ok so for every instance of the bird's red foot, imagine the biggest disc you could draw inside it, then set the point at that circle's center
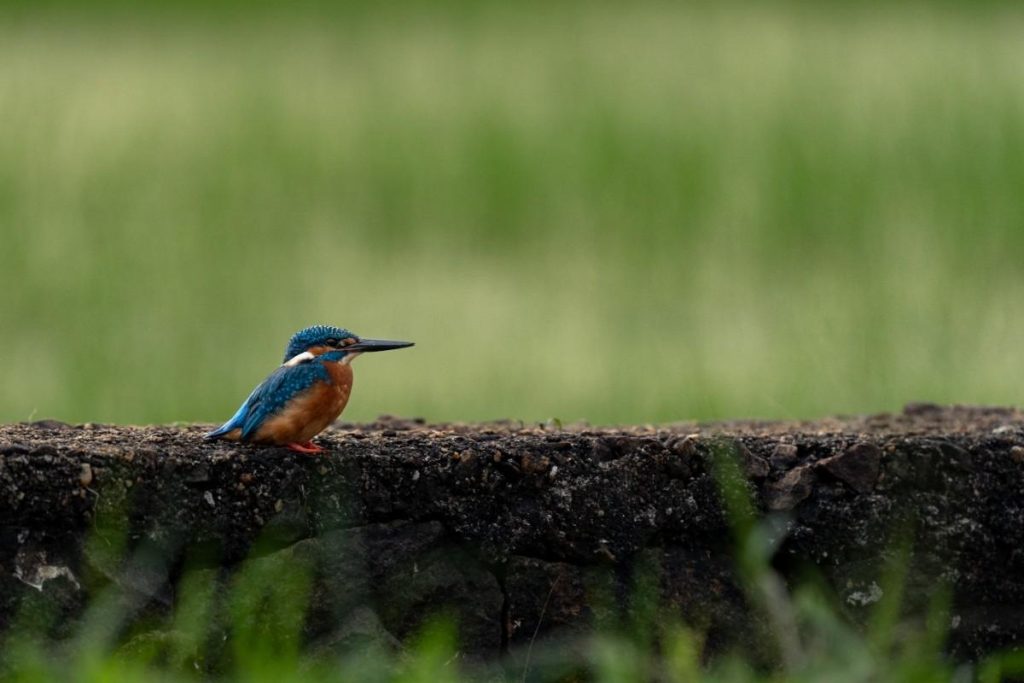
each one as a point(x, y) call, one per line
point(308, 447)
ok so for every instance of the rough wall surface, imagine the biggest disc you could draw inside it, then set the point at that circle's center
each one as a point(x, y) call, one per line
point(520, 533)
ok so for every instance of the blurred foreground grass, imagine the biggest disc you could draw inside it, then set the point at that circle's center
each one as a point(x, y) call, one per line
point(619, 213)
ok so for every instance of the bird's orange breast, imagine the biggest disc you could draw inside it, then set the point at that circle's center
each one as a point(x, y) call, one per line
point(310, 413)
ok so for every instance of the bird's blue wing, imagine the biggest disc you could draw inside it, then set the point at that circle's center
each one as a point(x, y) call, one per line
point(277, 390)
point(271, 396)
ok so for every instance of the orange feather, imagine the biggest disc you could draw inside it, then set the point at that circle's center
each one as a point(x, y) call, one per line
point(310, 413)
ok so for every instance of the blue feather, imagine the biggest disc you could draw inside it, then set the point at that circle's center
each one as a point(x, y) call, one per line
point(271, 396)
point(234, 423)
point(314, 336)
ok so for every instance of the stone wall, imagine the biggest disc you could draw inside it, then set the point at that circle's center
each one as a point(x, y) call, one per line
point(519, 533)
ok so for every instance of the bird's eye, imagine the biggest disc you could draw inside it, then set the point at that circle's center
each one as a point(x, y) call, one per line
point(331, 342)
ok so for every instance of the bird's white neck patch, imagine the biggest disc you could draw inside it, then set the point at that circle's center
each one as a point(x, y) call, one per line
point(303, 357)
point(306, 356)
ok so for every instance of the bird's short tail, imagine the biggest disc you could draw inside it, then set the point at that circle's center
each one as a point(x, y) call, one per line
point(234, 423)
point(219, 432)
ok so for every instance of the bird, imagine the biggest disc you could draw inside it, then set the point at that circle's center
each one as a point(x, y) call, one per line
point(306, 393)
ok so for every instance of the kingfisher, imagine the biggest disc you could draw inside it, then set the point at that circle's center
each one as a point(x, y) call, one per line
point(306, 393)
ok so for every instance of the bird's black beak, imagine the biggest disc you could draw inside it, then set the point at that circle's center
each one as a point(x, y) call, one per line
point(370, 345)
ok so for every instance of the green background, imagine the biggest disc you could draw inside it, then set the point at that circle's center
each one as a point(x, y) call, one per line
point(608, 211)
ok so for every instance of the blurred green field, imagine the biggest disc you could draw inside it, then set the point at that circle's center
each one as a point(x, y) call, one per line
point(621, 213)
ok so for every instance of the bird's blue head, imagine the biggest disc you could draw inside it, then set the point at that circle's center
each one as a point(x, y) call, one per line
point(322, 339)
point(318, 336)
